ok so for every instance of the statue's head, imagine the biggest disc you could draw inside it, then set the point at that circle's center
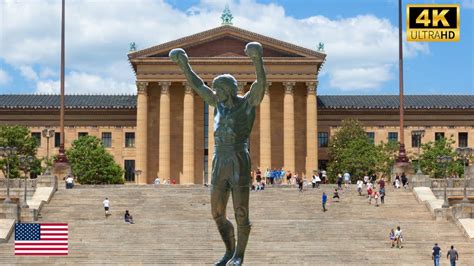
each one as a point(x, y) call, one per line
point(225, 86)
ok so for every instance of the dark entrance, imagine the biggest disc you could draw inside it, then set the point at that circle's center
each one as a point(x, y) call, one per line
point(129, 170)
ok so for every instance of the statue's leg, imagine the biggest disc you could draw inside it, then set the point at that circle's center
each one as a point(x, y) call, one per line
point(240, 198)
point(219, 199)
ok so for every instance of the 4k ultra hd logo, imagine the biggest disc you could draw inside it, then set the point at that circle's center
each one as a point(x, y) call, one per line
point(433, 23)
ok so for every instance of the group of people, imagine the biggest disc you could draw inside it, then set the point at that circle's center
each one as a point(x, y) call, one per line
point(452, 255)
point(372, 193)
point(396, 237)
point(128, 218)
point(400, 178)
point(165, 182)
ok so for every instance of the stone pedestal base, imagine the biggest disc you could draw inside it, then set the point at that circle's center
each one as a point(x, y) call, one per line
point(401, 167)
point(61, 169)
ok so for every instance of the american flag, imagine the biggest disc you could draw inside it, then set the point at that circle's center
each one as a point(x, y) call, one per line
point(41, 239)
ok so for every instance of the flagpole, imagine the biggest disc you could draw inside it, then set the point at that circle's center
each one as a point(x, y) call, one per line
point(402, 157)
point(62, 155)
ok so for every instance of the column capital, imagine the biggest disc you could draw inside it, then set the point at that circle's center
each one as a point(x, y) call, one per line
point(187, 88)
point(165, 86)
point(289, 86)
point(142, 87)
point(311, 86)
point(241, 87)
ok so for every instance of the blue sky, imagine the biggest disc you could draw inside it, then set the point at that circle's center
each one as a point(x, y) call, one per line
point(360, 39)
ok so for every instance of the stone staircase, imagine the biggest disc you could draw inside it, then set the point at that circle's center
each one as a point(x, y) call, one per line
point(174, 226)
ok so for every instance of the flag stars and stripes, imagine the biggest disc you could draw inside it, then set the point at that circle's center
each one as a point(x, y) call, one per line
point(41, 239)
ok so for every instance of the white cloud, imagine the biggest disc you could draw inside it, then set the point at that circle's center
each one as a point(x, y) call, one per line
point(98, 34)
point(84, 83)
point(28, 73)
point(4, 77)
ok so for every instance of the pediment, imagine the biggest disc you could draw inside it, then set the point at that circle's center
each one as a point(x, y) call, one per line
point(226, 41)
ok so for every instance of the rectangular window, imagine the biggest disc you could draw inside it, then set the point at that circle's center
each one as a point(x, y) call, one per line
point(415, 141)
point(82, 134)
point(393, 136)
point(129, 139)
point(439, 135)
point(371, 136)
point(462, 139)
point(107, 139)
point(57, 139)
point(323, 139)
point(37, 137)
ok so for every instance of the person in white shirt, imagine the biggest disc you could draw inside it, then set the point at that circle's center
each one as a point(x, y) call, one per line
point(157, 180)
point(359, 186)
point(316, 180)
point(366, 179)
point(398, 237)
point(347, 179)
point(69, 182)
point(106, 203)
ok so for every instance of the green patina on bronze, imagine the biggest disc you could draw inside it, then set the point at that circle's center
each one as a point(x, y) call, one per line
point(233, 120)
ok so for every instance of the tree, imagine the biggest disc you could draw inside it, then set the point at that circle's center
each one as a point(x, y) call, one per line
point(440, 147)
point(386, 156)
point(19, 137)
point(92, 164)
point(350, 150)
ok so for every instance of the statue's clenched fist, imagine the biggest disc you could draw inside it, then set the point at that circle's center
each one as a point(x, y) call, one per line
point(254, 50)
point(179, 56)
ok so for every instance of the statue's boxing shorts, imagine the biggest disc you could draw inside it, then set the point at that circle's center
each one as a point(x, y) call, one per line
point(231, 166)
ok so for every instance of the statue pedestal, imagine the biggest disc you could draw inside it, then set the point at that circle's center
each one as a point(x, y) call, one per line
point(402, 167)
point(61, 169)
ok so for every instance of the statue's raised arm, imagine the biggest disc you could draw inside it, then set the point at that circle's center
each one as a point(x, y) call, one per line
point(255, 95)
point(179, 56)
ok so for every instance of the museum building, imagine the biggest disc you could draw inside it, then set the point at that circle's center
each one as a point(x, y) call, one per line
point(164, 129)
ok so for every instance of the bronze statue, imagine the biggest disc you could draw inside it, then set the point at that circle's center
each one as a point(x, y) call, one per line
point(233, 120)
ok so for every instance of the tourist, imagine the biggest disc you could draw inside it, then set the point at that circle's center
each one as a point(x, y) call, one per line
point(366, 179)
point(258, 175)
point(69, 182)
point(157, 180)
point(339, 181)
point(376, 197)
point(382, 186)
point(382, 196)
point(128, 217)
point(404, 181)
point(359, 186)
point(397, 177)
point(268, 174)
point(347, 180)
point(106, 204)
point(397, 183)
point(324, 178)
point(299, 180)
point(399, 237)
point(452, 256)
point(392, 237)
point(173, 181)
point(369, 193)
point(336, 194)
point(435, 254)
point(373, 178)
point(316, 180)
point(324, 200)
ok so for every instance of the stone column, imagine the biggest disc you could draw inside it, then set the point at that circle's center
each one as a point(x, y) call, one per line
point(241, 88)
point(265, 131)
point(165, 127)
point(142, 131)
point(311, 129)
point(289, 128)
point(188, 136)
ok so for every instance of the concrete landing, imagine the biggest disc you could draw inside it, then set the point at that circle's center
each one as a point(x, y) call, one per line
point(6, 228)
point(468, 225)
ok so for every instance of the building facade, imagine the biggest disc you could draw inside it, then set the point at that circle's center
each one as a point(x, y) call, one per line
point(166, 130)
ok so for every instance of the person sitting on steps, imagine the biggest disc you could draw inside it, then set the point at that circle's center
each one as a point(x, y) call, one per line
point(128, 217)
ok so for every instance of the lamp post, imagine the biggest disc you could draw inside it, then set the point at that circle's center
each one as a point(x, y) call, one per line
point(465, 153)
point(137, 173)
point(419, 135)
point(8, 153)
point(25, 162)
point(47, 133)
point(444, 161)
